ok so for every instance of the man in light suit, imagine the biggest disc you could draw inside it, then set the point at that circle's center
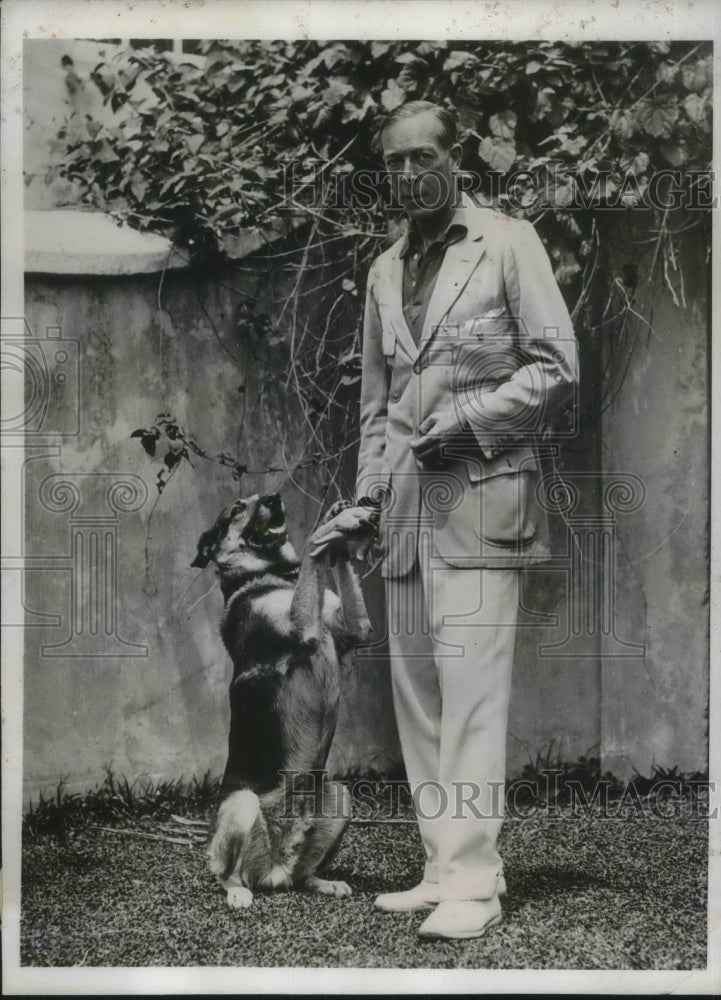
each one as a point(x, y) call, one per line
point(468, 349)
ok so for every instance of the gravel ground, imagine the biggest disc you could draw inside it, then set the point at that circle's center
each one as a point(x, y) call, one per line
point(583, 894)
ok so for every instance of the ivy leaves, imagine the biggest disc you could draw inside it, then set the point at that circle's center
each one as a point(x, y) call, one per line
point(178, 446)
point(499, 150)
point(253, 133)
point(657, 118)
point(200, 146)
point(201, 149)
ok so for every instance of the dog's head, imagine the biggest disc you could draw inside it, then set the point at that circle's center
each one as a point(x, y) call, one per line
point(249, 536)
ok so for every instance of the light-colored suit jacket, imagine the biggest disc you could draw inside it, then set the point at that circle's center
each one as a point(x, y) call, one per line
point(498, 349)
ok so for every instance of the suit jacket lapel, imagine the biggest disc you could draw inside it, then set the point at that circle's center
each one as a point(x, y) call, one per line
point(459, 263)
point(392, 293)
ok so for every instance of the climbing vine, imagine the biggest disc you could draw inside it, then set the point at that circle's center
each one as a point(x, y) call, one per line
point(255, 135)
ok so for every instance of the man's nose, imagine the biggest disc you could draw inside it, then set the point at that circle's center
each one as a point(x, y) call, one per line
point(408, 172)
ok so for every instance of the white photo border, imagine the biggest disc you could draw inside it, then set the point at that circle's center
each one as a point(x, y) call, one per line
point(569, 21)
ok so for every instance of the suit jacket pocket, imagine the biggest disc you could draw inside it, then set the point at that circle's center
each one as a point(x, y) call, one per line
point(514, 459)
point(507, 512)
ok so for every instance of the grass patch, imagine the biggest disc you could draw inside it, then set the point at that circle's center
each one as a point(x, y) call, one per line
point(547, 781)
point(583, 894)
point(556, 780)
point(118, 877)
point(117, 800)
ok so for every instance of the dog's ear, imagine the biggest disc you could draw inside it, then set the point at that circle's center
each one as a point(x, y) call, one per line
point(207, 545)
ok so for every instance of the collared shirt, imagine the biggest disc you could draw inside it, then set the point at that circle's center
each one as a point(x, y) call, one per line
point(421, 269)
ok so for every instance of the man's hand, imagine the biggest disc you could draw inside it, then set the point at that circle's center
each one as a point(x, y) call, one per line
point(436, 431)
point(352, 531)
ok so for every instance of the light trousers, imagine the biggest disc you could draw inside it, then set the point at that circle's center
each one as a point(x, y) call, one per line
point(451, 637)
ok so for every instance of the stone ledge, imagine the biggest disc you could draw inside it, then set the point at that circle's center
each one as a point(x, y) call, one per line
point(66, 241)
point(71, 241)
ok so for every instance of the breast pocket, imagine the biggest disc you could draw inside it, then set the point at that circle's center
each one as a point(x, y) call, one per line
point(489, 325)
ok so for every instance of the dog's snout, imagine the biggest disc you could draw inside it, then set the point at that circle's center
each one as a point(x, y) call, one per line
point(272, 500)
point(267, 526)
point(271, 510)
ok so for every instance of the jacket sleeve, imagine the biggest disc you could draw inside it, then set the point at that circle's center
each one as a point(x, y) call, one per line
point(547, 351)
point(374, 399)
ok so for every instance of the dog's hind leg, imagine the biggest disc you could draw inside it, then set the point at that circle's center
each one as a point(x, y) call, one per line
point(238, 852)
point(323, 841)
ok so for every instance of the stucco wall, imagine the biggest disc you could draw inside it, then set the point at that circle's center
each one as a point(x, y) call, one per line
point(655, 709)
point(159, 709)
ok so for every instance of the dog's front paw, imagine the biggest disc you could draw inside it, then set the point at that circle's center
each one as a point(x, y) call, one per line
point(326, 887)
point(239, 897)
point(357, 525)
point(337, 508)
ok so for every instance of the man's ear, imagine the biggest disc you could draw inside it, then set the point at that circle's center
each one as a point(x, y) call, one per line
point(207, 546)
point(456, 153)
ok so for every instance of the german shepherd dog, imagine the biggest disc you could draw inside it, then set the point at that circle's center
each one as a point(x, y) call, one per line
point(285, 633)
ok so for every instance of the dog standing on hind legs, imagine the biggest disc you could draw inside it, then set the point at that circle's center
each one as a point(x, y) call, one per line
point(281, 820)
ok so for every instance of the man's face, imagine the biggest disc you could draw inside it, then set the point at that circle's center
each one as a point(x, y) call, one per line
point(420, 168)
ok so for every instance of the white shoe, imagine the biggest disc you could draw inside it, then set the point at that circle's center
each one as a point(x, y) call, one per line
point(462, 918)
point(423, 896)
